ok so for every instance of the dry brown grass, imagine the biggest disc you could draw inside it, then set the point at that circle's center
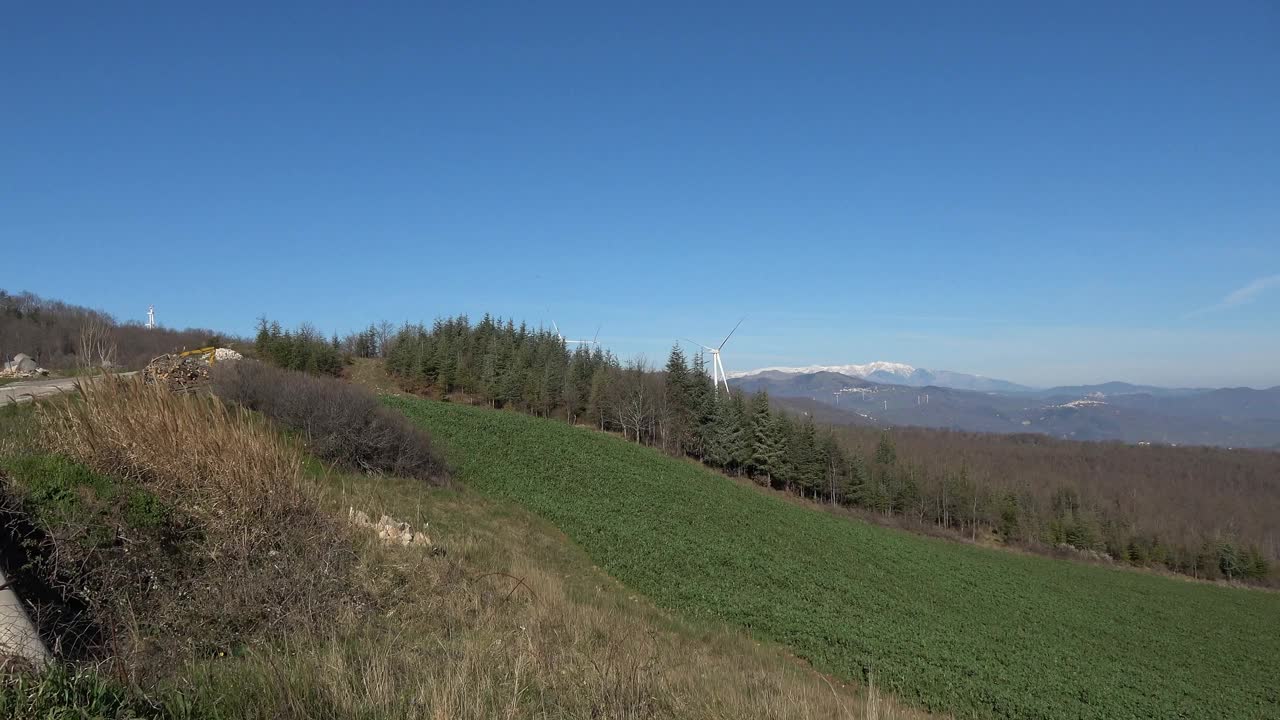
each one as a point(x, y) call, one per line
point(221, 461)
point(241, 552)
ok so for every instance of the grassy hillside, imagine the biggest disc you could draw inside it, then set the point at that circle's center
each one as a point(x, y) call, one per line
point(980, 632)
point(500, 617)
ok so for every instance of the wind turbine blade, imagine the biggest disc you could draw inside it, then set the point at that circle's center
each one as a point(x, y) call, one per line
point(557, 327)
point(704, 347)
point(731, 332)
point(596, 337)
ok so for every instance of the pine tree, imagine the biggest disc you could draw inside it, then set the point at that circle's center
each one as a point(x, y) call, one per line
point(738, 443)
point(886, 454)
point(262, 341)
point(679, 407)
point(906, 493)
point(805, 464)
point(857, 481)
point(703, 402)
point(784, 432)
point(1229, 562)
point(766, 445)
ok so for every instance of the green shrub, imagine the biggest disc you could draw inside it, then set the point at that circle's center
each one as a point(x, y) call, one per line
point(144, 510)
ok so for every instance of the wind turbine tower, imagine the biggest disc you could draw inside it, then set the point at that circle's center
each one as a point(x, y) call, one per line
point(718, 374)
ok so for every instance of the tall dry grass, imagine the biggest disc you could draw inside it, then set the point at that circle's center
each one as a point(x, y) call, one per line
point(245, 552)
point(219, 461)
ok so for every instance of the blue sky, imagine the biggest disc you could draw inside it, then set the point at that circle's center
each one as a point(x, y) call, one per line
point(1049, 195)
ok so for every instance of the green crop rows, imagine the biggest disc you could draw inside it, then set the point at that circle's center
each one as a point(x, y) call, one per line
point(977, 632)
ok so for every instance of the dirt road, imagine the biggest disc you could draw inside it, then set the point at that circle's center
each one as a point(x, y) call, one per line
point(27, 390)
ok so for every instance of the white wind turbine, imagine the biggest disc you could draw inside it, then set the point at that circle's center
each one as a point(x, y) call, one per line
point(563, 339)
point(718, 374)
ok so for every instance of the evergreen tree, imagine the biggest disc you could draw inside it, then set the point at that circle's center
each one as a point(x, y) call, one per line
point(1255, 565)
point(805, 461)
point(886, 454)
point(738, 438)
point(906, 492)
point(678, 402)
point(766, 444)
point(1229, 561)
point(262, 341)
point(784, 433)
point(728, 444)
point(857, 481)
point(703, 401)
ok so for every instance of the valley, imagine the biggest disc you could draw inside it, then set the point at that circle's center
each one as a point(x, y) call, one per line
point(1227, 417)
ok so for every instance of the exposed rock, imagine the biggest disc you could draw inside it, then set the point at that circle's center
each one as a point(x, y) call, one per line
point(389, 531)
point(22, 366)
point(21, 363)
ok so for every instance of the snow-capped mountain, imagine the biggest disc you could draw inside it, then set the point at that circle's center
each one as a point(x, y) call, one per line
point(901, 370)
point(893, 373)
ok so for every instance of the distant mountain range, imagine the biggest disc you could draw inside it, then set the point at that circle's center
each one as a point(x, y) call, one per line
point(1231, 417)
point(897, 374)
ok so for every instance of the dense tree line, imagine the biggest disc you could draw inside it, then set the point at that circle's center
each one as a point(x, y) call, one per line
point(304, 349)
point(676, 408)
point(61, 336)
point(1204, 511)
point(506, 365)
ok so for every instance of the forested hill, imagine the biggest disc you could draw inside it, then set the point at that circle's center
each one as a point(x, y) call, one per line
point(1209, 518)
point(60, 336)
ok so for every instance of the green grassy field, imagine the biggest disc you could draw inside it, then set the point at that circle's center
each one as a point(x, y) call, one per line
point(981, 633)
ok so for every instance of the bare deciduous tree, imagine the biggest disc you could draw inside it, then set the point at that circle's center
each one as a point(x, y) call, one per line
point(97, 349)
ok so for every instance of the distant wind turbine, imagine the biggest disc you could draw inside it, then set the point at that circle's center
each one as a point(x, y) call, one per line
point(563, 339)
point(718, 374)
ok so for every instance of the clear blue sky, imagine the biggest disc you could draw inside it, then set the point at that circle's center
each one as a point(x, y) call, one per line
point(1048, 195)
